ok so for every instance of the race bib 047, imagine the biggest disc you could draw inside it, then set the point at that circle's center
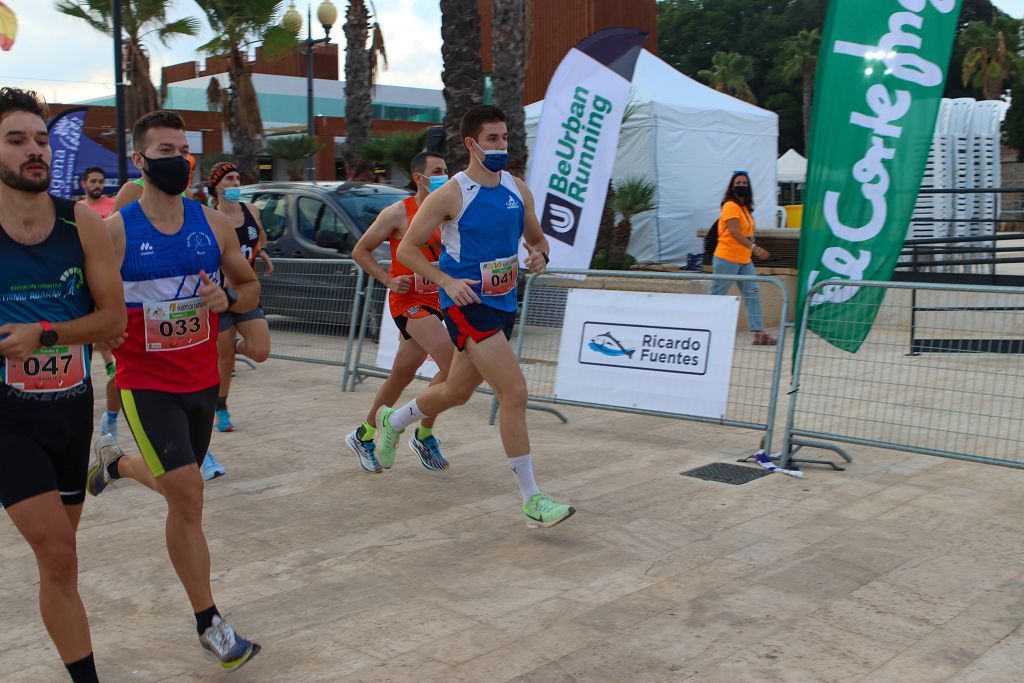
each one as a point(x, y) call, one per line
point(55, 368)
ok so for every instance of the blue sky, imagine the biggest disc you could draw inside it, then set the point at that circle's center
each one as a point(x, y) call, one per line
point(68, 61)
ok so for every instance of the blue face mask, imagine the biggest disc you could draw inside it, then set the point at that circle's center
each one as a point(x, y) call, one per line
point(495, 160)
point(232, 194)
point(436, 181)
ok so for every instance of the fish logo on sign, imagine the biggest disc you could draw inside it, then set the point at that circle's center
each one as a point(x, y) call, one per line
point(609, 346)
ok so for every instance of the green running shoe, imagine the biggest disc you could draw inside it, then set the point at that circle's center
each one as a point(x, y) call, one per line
point(542, 512)
point(387, 437)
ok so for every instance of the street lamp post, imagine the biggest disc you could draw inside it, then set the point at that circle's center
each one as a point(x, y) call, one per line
point(326, 14)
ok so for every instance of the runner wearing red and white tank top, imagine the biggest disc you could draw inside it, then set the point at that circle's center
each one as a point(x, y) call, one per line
point(414, 305)
point(171, 250)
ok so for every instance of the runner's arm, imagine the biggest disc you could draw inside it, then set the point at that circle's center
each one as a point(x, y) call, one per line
point(439, 206)
point(236, 268)
point(533, 236)
point(261, 246)
point(382, 228)
point(102, 276)
point(128, 193)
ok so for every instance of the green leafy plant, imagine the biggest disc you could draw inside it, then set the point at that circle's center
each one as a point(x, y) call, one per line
point(633, 195)
point(294, 151)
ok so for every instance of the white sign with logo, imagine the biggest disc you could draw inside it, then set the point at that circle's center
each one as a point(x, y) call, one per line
point(666, 352)
point(387, 347)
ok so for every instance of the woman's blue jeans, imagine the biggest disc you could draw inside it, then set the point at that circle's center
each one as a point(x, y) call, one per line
point(751, 294)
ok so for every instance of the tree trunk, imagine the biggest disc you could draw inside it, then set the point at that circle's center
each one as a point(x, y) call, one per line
point(358, 95)
point(508, 50)
point(605, 229)
point(808, 99)
point(620, 244)
point(462, 76)
point(244, 124)
point(141, 96)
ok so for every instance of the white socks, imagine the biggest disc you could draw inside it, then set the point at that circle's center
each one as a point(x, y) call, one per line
point(406, 415)
point(522, 467)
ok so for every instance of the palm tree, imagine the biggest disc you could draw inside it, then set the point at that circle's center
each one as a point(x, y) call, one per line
point(801, 55)
point(730, 73)
point(141, 20)
point(462, 75)
point(508, 55)
point(360, 77)
point(294, 151)
point(988, 64)
point(633, 195)
point(236, 25)
point(399, 148)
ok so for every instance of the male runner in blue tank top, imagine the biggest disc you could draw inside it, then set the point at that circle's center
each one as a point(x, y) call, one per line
point(59, 292)
point(483, 213)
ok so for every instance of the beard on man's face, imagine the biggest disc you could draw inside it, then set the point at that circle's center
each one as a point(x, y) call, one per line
point(19, 180)
point(95, 192)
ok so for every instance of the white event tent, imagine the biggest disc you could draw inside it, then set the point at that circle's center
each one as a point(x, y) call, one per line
point(792, 167)
point(689, 139)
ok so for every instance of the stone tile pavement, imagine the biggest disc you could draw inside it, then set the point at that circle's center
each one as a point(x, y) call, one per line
point(903, 568)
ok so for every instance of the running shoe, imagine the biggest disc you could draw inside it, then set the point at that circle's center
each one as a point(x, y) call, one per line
point(229, 649)
point(108, 425)
point(387, 437)
point(105, 451)
point(224, 421)
point(542, 512)
point(364, 450)
point(429, 452)
point(211, 469)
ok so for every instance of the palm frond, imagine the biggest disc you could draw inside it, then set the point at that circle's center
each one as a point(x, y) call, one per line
point(186, 26)
point(635, 194)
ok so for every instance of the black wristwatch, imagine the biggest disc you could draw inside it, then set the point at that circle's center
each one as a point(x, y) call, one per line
point(232, 296)
point(48, 337)
point(547, 259)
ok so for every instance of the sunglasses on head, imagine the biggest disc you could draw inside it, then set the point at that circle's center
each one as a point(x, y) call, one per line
point(735, 173)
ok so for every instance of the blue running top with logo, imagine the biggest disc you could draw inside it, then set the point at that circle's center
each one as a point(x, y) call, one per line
point(487, 229)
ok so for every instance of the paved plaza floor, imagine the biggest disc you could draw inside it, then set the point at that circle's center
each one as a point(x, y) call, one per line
point(904, 568)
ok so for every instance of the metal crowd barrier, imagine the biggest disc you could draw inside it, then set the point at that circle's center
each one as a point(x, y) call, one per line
point(956, 392)
point(756, 370)
point(310, 305)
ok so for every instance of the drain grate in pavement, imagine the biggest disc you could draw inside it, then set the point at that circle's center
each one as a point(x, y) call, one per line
point(726, 473)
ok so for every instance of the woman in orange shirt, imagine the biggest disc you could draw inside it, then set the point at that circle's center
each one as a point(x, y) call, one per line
point(735, 248)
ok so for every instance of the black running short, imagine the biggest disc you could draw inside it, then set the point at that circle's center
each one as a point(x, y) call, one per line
point(414, 313)
point(171, 430)
point(229, 319)
point(44, 443)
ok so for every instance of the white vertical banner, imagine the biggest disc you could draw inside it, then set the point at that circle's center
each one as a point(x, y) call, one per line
point(577, 138)
point(666, 352)
point(387, 345)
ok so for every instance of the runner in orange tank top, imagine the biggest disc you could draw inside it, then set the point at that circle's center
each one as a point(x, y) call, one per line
point(414, 305)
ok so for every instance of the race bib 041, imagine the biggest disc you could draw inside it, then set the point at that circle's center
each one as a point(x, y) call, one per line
point(499, 277)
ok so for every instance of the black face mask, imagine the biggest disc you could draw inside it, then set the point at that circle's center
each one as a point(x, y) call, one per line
point(169, 174)
point(743, 192)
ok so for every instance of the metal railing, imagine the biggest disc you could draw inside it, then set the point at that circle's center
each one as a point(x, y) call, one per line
point(310, 305)
point(959, 395)
point(756, 370)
